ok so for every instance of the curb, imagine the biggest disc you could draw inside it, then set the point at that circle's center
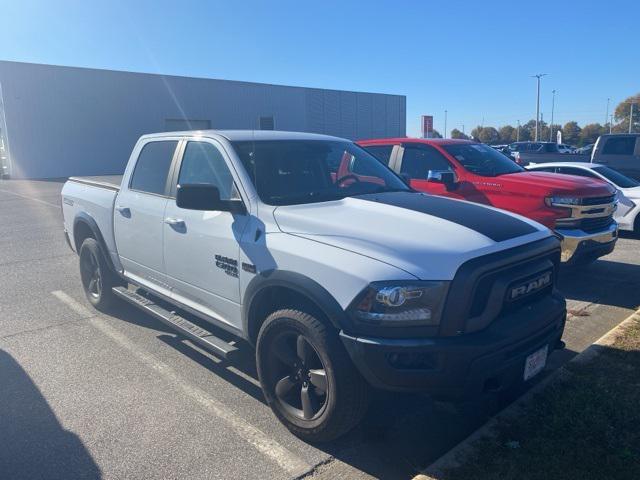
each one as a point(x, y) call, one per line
point(461, 451)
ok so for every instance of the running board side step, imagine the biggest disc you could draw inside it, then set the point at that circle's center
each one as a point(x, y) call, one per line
point(193, 332)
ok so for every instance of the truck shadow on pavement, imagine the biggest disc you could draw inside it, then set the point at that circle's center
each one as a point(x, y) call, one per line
point(401, 433)
point(606, 282)
point(33, 443)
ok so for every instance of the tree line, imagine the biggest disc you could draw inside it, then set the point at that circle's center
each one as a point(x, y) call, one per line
point(572, 133)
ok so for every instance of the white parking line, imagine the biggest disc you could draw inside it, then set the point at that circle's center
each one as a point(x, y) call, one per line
point(72, 304)
point(30, 198)
point(286, 459)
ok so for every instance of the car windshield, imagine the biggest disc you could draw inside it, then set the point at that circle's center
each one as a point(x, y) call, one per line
point(288, 172)
point(618, 179)
point(482, 160)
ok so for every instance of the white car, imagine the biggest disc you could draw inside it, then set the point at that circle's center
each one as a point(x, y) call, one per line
point(562, 148)
point(628, 189)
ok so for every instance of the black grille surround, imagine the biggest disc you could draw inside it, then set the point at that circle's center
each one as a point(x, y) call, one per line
point(598, 200)
point(477, 294)
point(595, 224)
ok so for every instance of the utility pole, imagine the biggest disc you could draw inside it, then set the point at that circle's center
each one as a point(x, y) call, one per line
point(553, 105)
point(445, 124)
point(518, 132)
point(630, 118)
point(606, 118)
point(538, 77)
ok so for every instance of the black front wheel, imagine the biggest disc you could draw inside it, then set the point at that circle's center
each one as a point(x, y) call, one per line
point(308, 378)
point(97, 278)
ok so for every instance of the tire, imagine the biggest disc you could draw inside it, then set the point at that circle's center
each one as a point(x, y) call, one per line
point(96, 276)
point(308, 378)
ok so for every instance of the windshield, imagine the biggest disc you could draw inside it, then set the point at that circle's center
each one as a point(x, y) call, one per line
point(288, 172)
point(482, 160)
point(616, 178)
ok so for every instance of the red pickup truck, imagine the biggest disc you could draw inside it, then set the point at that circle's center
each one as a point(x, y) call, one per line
point(580, 209)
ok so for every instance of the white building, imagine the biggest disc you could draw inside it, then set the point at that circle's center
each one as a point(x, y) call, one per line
point(61, 121)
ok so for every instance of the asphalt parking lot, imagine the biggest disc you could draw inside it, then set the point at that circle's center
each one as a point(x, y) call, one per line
point(87, 395)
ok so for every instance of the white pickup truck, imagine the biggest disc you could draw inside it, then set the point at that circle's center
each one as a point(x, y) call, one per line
point(311, 250)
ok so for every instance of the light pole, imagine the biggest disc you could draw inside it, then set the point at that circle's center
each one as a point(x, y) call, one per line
point(538, 77)
point(610, 122)
point(518, 132)
point(553, 106)
point(445, 124)
point(606, 118)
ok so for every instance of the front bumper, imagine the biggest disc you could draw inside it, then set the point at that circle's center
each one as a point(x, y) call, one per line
point(577, 243)
point(461, 366)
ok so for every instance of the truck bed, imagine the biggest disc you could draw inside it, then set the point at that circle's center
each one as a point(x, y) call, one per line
point(112, 182)
point(93, 197)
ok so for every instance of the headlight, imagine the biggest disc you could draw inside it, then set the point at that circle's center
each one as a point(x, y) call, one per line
point(400, 304)
point(562, 201)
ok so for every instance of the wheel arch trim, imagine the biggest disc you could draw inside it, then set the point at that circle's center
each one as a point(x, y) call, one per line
point(298, 283)
point(89, 221)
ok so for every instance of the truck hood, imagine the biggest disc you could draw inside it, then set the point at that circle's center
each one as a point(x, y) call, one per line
point(424, 235)
point(554, 183)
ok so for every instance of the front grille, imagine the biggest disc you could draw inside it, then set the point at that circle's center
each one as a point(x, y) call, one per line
point(478, 292)
point(598, 200)
point(596, 224)
point(510, 276)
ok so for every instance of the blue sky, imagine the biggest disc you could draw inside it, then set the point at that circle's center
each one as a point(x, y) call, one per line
point(473, 59)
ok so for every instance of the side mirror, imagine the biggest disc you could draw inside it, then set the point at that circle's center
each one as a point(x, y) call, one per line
point(446, 177)
point(205, 197)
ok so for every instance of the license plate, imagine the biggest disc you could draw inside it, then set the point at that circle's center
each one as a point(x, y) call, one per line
point(535, 362)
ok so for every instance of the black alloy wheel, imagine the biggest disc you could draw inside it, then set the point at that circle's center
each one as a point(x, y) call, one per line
point(300, 377)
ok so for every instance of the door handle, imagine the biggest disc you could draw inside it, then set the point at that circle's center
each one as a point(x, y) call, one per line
point(174, 222)
point(124, 211)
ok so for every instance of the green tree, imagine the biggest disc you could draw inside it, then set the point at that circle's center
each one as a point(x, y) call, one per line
point(544, 132)
point(623, 110)
point(507, 134)
point(455, 133)
point(435, 134)
point(571, 133)
point(489, 135)
point(475, 133)
point(590, 133)
point(554, 132)
point(525, 133)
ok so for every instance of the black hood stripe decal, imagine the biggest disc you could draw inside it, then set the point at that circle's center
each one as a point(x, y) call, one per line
point(490, 223)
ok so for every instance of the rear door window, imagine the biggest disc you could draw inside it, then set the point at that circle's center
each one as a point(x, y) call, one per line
point(381, 152)
point(619, 146)
point(152, 167)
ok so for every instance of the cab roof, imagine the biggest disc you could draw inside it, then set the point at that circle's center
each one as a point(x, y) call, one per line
point(247, 135)
point(429, 141)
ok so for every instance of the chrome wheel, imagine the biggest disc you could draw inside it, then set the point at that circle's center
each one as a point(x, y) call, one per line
point(299, 376)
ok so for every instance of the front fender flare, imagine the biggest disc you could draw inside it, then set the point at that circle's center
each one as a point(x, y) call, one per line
point(298, 283)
